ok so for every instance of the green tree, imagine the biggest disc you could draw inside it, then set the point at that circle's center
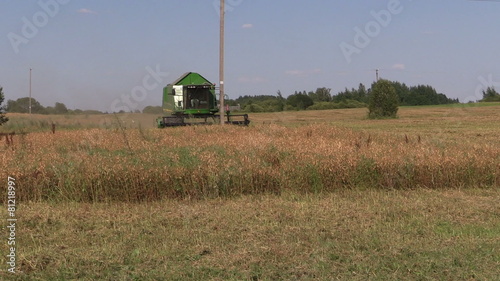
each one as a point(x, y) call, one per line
point(383, 100)
point(281, 101)
point(254, 108)
point(60, 108)
point(300, 101)
point(271, 105)
point(490, 95)
point(21, 105)
point(403, 92)
point(3, 118)
point(423, 95)
point(323, 94)
point(50, 110)
point(362, 93)
point(344, 95)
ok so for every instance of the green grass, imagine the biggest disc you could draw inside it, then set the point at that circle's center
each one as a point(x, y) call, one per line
point(456, 105)
point(343, 235)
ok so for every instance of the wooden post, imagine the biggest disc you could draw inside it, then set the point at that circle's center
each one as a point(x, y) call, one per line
point(221, 63)
point(30, 94)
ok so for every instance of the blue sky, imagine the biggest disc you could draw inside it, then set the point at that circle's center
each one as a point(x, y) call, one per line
point(104, 55)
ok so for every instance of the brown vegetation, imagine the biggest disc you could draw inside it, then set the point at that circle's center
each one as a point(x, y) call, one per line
point(200, 162)
point(333, 196)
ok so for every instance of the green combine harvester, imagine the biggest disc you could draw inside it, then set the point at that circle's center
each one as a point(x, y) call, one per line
point(191, 100)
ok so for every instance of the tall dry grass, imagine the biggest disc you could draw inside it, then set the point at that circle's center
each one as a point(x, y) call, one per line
point(96, 165)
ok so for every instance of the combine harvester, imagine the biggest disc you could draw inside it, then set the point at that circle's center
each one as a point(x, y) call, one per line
point(191, 100)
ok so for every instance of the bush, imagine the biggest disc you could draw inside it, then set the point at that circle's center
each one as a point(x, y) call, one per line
point(337, 105)
point(323, 106)
point(300, 101)
point(254, 108)
point(3, 119)
point(383, 100)
point(490, 95)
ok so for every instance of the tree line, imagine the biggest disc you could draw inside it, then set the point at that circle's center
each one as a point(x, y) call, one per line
point(490, 95)
point(322, 98)
point(22, 105)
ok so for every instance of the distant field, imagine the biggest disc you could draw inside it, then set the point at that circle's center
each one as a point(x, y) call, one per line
point(39, 122)
point(310, 195)
point(345, 117)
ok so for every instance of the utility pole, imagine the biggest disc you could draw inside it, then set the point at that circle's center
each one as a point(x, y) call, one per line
point(30, 94)
point(376, 73)
point(221, 63)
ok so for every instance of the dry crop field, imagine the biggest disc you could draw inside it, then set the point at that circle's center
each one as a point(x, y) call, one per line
point(443, 148)
point(296, 196)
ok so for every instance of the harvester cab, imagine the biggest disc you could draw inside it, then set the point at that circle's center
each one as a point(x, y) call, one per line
point(191, 100)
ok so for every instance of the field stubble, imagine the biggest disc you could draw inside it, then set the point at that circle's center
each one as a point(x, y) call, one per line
point(344, 235)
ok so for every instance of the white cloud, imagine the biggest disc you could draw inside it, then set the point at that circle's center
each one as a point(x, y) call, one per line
point(247, 25)
point(86, 11)
point(399, 66)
